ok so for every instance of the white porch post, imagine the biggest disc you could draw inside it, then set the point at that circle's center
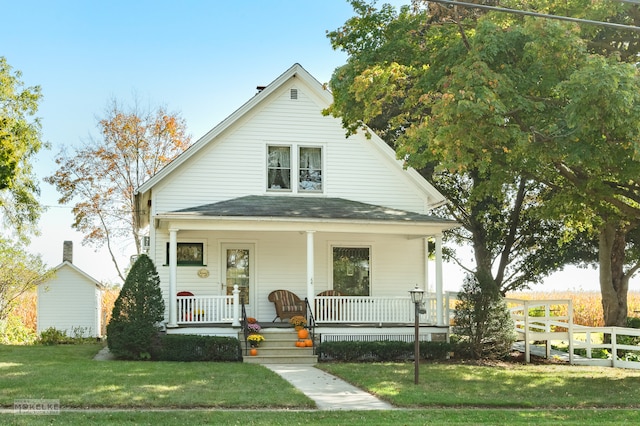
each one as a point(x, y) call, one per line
point(427, 287)
point(173, 277)
point(439, 286)
point(236, 306)
point(310, 269)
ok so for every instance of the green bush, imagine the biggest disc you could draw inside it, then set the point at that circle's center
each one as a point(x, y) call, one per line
point(482, 321)
point(633, 322)
point(137, 312)
point(53, 336)
point(380, 351)
point(14, 332)
point(186, 347)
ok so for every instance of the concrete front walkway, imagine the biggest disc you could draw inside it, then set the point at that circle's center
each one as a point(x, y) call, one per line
point(329, 392)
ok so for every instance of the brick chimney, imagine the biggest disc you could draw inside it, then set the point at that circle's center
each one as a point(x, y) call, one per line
point(67, 251)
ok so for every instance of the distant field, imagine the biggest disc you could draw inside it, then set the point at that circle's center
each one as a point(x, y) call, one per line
point(587, 306)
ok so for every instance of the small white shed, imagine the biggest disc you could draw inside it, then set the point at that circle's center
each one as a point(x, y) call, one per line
point(71, 300)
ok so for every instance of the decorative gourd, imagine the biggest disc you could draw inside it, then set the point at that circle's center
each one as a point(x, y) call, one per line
point(303, 333)
point(253, 352)
point(308, 342)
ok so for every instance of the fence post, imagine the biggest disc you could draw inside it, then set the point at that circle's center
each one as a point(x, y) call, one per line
point(527, 347)
point(236, 307)
point(570, 330)
point(614, 347)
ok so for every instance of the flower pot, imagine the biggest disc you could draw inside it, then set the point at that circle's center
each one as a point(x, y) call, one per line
point(253, 352)
point(303, 333)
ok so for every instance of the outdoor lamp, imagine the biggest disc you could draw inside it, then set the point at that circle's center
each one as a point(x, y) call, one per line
point(416, 297)
point(417, 294)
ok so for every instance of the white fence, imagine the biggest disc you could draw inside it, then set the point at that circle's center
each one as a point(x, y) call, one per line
point(205, 309)
point(552, 320)
point(372, 310)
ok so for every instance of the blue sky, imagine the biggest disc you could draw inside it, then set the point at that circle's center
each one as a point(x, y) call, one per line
point(203, 59)
point(200, 58)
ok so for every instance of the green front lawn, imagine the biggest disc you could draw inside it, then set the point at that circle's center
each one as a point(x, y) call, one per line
point(68, 373)
point(497, 386)
point(125, 392)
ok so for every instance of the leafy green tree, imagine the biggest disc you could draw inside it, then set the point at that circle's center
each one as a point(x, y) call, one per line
point(137, 312)
point(19, 143)
point(419, 80)
point(101, 176)
point(20, 272)
point(528, 125)
point(482, 322)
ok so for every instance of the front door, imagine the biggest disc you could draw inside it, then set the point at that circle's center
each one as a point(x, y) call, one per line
point(238, 270)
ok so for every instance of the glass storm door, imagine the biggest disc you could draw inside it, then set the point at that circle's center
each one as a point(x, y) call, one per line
point(239, 271)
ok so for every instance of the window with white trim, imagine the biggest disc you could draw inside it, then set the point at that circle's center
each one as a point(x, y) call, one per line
point(310, 169)
point(351, 270)
point(279, 168)
point(287, 163)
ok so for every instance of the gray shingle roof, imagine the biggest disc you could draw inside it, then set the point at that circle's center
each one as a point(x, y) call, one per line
point(307, 207)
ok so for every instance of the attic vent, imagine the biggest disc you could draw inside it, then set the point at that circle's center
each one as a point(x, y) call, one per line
point(294, 93)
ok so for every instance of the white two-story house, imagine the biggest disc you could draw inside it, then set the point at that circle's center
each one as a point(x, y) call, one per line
point(276, 197)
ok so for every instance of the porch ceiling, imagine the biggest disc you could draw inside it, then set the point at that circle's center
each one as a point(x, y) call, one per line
point(287, 212)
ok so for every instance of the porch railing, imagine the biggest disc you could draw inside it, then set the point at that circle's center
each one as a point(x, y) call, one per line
point(373, 310)
point(205, 309)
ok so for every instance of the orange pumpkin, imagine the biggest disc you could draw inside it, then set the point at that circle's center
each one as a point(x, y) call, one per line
point(303, 333)
point(308, 343)
point(253, 352)
point(300, 344)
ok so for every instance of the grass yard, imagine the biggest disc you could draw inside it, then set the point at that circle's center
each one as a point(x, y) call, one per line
point(68, 373)
point(503, 385)
point(169, 393)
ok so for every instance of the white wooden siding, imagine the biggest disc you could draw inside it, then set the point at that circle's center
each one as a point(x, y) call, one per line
point(235, 164)
point(397, 264)
point(69, 301)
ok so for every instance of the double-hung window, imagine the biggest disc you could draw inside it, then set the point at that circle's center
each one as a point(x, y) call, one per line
point(287, 162)
point(279, 168)
point(310, 169)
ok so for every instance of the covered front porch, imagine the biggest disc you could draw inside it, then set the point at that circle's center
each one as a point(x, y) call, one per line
point(308, 247)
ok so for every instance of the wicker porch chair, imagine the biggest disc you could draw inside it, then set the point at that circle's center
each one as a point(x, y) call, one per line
point(287, 304)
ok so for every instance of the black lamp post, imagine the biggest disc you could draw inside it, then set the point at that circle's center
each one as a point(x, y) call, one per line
point(416, 297)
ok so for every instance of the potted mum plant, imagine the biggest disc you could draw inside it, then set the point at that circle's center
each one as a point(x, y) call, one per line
point(300, 324)
point(255, 340)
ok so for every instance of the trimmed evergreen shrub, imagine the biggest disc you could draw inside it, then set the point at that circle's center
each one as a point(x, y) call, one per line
point(482, 322)
point(380, 351)
point(137, 312)
point(187, 347)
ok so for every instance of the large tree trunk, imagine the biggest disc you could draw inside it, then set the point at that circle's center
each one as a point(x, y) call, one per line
point(614, 284)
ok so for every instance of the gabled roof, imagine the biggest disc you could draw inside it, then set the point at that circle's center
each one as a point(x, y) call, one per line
point(308, 208)
point(298, 72)
point(89, 278)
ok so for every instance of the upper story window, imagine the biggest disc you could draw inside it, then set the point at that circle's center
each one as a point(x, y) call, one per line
point(279, 168)
point(310, 169)
point(285, 162)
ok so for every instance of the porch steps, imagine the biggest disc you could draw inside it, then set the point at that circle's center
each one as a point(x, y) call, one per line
point(279, 348)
